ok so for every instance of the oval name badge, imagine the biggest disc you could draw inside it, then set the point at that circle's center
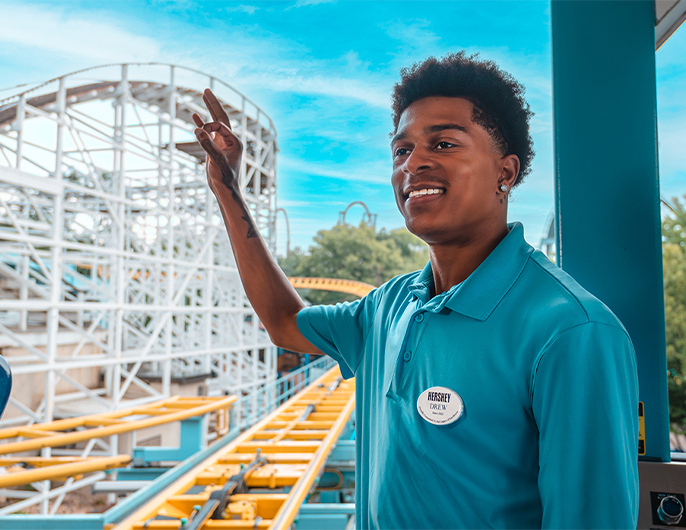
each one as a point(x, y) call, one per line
point(440, 405)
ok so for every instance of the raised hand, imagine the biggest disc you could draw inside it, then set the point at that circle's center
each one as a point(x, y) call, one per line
point(223, 148)
point(224, 151)
point(267, 287)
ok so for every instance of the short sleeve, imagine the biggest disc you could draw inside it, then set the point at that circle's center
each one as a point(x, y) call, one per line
point(340, 330)
point(585, 402)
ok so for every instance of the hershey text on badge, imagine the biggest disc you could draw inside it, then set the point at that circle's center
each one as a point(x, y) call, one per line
point(440, 405)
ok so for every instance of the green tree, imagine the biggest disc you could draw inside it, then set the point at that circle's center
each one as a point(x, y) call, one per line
point(414, 251)
point(674, 264)
point(355, 253)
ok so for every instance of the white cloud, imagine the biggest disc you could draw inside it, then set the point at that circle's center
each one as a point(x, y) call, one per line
point(88, 37)
point(369, 91)
point(412, 34)
point(306, 3)
point(373, 173)
point(173, 6)
point(286, 203)
point(250, 10)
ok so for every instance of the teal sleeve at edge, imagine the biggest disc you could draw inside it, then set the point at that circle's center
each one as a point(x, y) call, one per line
point(340, 330)
point(585, 402)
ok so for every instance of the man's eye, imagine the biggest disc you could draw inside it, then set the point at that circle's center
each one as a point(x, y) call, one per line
point(444, 145)
point(400, 152)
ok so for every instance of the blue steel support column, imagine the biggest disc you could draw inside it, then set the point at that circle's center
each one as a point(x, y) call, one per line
point(607, 191)
point(191, 440)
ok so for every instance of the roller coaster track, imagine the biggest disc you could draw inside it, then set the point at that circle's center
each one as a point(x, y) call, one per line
point(261, 479)
point(332, 284)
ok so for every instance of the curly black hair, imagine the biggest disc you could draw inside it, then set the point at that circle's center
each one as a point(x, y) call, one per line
point(498, 99)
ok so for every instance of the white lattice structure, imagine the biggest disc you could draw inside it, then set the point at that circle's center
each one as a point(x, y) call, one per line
point(113, 258)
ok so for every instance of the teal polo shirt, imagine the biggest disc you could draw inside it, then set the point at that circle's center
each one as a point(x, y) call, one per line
point(546, 376)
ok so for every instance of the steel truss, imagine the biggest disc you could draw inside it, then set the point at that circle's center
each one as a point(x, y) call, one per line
point(113, 256)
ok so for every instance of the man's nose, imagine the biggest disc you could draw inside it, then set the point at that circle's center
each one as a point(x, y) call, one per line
point(418, 161)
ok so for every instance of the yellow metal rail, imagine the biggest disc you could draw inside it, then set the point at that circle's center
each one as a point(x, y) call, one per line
point(235, 487)
point(54, 434)
point(332, 284)
point(61, 471)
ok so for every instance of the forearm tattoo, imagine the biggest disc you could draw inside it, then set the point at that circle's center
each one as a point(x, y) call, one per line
point(251, 227)
point(229, 180)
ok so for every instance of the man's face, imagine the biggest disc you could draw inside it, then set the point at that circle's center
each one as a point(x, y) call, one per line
point(446, 172)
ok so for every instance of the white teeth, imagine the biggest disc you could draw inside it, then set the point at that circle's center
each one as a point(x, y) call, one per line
point(419, 193)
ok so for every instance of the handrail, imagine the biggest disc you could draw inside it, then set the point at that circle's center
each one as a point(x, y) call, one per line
point(264, 397)
point(109, 423)
point(60, 471)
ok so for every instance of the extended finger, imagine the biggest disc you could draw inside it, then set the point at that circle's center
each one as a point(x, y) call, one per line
point(210, 106)
point(198, 120)
point(216, 109)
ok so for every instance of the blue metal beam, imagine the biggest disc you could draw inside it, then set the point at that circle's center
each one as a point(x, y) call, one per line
point(141, 473)
point(52, 522)
point(344, 451)
point(191, 440)
point(322, 522)
point(607, 190)
point(329, 508)
point(325, 516)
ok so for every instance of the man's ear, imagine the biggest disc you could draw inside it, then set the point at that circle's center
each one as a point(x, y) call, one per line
point(509, 170)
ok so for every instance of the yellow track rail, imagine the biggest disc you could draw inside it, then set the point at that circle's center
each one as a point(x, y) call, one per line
point(62, 471)
point(54, 434)
point(332, 284)
point(287, 449)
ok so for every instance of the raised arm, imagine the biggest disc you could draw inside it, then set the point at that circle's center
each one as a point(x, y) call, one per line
point(269, 291)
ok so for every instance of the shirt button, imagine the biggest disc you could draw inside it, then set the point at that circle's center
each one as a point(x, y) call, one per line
point(419, 317)
point(407, 355)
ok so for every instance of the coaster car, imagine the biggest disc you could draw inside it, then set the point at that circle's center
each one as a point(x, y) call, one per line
point(5, 383)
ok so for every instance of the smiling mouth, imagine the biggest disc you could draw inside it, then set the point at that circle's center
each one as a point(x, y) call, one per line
point(426, 191)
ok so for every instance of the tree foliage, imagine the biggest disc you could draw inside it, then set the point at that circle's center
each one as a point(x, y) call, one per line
point(355, 253)
point(674, 264)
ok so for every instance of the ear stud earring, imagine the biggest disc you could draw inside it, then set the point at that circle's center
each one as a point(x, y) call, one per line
point(504, 188)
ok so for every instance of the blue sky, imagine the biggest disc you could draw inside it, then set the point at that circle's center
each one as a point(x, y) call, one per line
point(323, 71)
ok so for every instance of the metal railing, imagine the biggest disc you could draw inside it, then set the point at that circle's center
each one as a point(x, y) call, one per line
point(255, 405)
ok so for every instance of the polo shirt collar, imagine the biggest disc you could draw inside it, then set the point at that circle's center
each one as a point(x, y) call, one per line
point(421, 287)
point(482, 291)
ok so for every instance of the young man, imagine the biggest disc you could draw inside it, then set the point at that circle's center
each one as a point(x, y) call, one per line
point(492, 390)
